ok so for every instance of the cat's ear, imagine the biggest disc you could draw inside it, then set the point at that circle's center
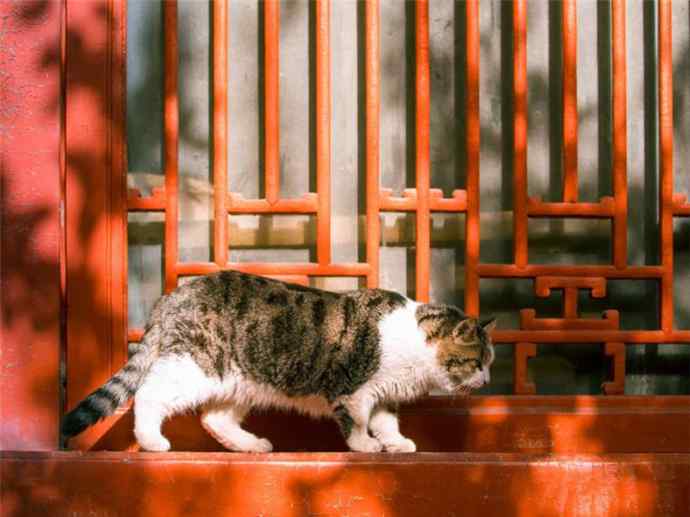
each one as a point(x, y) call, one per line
point(488, 325)
point(466, 330)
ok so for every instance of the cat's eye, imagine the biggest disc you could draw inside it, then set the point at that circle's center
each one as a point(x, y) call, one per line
point(473, 363)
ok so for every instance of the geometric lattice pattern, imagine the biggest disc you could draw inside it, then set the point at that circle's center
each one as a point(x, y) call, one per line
point(423, 199)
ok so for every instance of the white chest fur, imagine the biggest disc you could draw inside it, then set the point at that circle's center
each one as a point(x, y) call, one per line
point(409, 367)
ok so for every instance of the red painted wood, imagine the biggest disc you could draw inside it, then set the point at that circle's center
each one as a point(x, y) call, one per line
point(590, 335)
point(666, 161)
point(570, 118)
point(272, 99)
point(422, 160)
point(171, 128)
point(372, 116)
point(422, 200)
point(472, 168)
point(123, 484)
point(520, 133)
point(616, 352)
point(409, 202)
point(528, 320)
point(534, 270)
point(307, 204)
point(620, 134)
point(30, 232)
point(220, 130)
point(521, 384)
point(278, 268)
point(544, 284)
point(604, 209)
point(680, 205)
point(95, 196)
point(323, 130)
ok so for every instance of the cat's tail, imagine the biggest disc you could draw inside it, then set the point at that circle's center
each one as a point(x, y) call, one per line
point(114, 393)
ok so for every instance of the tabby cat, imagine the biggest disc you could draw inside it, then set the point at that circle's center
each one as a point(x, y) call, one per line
point(230, 342)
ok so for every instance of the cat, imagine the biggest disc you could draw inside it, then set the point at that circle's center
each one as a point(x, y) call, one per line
point(229, 342)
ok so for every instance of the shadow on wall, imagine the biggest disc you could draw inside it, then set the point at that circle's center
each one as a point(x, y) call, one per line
point(30, 297)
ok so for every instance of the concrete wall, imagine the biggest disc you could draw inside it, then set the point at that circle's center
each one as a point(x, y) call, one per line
point(566, 369)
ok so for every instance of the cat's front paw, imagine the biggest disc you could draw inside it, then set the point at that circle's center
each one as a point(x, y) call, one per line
point(154, 444)
point(404, 445)
point(364, 443)
point(260, 445)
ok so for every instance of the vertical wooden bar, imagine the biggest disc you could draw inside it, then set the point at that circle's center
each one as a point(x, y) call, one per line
point(666, 156)
point(520, 133)
point(220, 121)
point(95, 199)
point(569, 17)
point(616, 386)
point(620, 136)
point(118, 184)
point(323, 131)
point(171, 138)
point(372, 110)
point(272, 99)
point(570, 302)
point(473, 136)
point(521, 384)
point(422, 101)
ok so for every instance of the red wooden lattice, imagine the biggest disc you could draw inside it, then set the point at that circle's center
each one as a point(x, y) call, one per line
point(423, 200)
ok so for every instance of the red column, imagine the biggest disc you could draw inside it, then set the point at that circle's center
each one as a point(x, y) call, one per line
point(95, 198)
point(30, 233)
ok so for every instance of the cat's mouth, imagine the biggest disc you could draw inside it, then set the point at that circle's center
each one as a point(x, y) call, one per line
point(463, 391)
point(466, 388)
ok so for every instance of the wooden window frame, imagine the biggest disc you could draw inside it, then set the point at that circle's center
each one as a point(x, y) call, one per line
point(96, 203)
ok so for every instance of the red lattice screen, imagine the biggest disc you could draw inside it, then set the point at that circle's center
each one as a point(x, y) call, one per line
point(423, 199)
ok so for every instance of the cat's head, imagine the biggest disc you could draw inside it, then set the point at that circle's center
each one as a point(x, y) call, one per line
point(463, 345)
point(466, 355)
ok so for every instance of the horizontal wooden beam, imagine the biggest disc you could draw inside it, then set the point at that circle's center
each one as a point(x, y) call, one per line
point(152, 484)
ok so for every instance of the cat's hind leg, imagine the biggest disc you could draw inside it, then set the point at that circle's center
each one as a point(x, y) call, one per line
point(352, 415)
point(150, 410)
point(173, 385)
point(148, 418)
point(384, 426)
point(223, 422)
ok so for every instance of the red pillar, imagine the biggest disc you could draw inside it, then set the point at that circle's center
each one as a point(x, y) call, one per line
point(30, 233)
